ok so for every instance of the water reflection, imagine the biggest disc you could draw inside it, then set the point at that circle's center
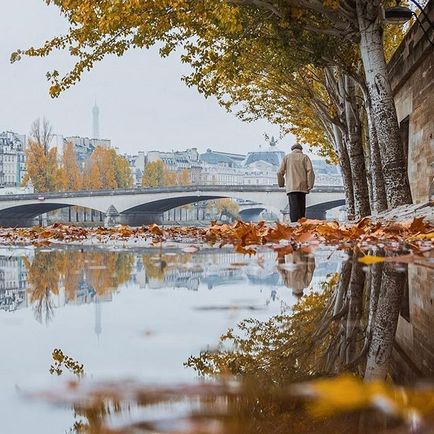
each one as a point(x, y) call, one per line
point(57, 278)
point(370, 321)
point(49, 279)
point(297, 271)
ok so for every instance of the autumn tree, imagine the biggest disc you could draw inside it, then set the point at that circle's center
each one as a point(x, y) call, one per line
point(157, 174)
point(154, 174)
point(226, 207)
point(42, 166)
point(170, 177)
point(71, 173)
point(124, 177)
point(183, 178)
point(105, 169)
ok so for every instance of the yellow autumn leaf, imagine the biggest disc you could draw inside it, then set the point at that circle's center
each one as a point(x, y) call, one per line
point(368, 259)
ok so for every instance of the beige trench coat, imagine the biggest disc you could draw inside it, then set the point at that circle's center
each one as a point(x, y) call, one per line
point(297, 169)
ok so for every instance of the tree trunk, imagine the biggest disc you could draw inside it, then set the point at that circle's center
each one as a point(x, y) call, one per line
point(355, 152)
point(382, 103)
point(385, 323)
point(379, 202)
point(346, 172)
point(368, 171)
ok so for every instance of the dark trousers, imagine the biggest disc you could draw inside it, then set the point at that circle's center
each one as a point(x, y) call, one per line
point(297, 205)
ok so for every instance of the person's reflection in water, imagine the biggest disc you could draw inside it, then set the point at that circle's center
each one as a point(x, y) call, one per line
point(297, 271)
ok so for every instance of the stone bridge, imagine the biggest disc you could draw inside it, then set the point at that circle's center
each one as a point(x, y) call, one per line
point(146, 205)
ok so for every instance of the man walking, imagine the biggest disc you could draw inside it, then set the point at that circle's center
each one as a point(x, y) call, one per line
point(296, 172)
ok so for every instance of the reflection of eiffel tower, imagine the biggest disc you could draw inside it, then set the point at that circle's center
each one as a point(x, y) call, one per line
point(98, 307)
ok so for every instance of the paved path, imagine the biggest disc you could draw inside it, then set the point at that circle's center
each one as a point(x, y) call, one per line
point(410, 211)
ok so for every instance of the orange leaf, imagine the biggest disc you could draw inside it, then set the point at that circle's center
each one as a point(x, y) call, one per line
point(368, 259)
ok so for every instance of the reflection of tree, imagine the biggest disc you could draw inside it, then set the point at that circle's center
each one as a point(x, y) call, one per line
point(384, 322)
point(350, 326)
point(156, 266)
point(48, 271)
point(43, 279)
point(271, 351)
point(92, 418)
point(105, 271)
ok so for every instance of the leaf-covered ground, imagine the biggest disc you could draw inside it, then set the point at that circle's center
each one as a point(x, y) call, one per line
point(415, 236)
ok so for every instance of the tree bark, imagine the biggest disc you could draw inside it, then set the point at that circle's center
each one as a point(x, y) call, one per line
point(385, 323)
point(355, 151)
point(383, 106)
point(379, 202)
point(346, 172)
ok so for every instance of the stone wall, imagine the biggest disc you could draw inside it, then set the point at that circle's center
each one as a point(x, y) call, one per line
point(411, 71)
point(414, 352)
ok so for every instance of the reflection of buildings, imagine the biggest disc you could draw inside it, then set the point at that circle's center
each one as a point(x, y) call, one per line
point(13, 283)
point(205, 269)
point(222, 268)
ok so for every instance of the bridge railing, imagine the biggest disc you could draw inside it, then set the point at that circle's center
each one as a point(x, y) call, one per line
point(150, 190)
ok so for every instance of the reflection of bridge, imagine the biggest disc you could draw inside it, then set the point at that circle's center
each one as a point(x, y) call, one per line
point(139, 206)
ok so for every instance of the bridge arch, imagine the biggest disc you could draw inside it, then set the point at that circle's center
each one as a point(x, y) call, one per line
point(252, 213)
point(163, 205)
point(319, 210)
point(150, 210)
point(23, 215)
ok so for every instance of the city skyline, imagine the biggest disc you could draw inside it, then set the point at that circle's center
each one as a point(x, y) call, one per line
point(144, 104)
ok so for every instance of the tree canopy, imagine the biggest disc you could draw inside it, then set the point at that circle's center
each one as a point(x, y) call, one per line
point(260, 58)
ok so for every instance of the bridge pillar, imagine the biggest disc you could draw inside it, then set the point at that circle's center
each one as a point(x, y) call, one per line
point(141, 218)
point(112, 217)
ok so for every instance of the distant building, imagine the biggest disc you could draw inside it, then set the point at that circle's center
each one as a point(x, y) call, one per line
point(221, 168)
point(326, 174)
point(12, 159)
point(83, 146)
point(175, 160)
point(225, 168)
point(137, 166)
point(272, 156)
point(223, 159)
point(260, 172)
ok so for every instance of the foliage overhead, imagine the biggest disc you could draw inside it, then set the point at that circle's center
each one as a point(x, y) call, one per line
point(248, 53)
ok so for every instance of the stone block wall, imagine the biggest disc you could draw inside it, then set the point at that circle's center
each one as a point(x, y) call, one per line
point(411, 71)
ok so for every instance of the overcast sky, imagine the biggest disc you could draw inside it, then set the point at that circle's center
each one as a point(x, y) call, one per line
point(143, 103)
